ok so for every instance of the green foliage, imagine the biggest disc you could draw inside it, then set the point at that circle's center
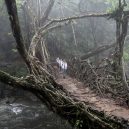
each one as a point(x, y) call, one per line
point(1, 3)
point(9, 33)
point(126, 56)
point(19, 3)
point(14, 50)
point(2, 8)
point(126, 52)
point(78, 123)
point(127, 7)
point(113, 4)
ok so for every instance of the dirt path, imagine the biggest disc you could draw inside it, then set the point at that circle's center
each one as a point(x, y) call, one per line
point(80, 92)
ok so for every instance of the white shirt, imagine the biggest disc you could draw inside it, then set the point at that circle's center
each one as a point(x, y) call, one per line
point(62, 64)
point(57, 60)
point(65, 65)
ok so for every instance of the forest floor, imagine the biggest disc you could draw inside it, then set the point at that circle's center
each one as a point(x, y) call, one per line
point(80, 92)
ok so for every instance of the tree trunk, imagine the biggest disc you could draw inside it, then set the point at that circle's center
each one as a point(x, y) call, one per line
point(121, 32)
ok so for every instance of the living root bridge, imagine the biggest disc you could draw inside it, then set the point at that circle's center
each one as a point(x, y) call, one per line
point(42, 84)
point(77, 113)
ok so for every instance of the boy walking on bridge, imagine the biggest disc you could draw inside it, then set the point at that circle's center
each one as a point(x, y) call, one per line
point(64, 67)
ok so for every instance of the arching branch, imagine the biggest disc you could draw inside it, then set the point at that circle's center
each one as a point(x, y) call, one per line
point(97, 50)
point(36, 38)
point(40, 33)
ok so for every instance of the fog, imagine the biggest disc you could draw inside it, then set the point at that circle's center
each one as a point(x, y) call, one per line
point(84, 34)
point(89, 35)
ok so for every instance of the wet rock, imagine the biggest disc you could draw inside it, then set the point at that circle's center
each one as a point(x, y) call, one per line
point(27, 114)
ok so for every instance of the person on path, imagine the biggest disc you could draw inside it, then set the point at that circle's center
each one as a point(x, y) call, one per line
point(64, 68)
point(61, 65)
point(58, 62)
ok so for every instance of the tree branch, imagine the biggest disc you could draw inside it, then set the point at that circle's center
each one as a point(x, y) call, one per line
point(40, 33)
point(83, 16)
point(47, 11)
point(10, 80)
point(36, 38)
point(77, 17)
point(97, 50)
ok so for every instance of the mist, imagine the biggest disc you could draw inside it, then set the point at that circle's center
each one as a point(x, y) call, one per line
point(64, 64)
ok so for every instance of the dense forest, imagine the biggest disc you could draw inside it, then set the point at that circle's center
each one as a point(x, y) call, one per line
point(38, 39)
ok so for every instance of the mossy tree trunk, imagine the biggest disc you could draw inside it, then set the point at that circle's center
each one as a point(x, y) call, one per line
point(121, 32)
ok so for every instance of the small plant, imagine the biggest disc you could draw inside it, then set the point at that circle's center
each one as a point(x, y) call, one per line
point(78, 124)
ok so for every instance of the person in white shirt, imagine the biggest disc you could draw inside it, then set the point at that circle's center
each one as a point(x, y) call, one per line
point(64, 67)
point(58, 62)
point(61, 65)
